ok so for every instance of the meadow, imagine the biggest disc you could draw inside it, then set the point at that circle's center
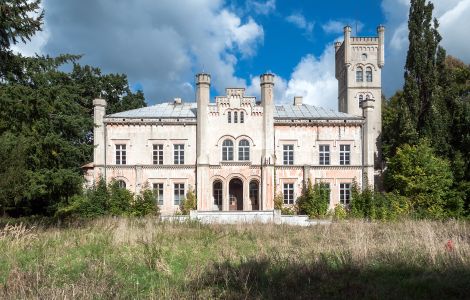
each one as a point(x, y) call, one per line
point(122, 258)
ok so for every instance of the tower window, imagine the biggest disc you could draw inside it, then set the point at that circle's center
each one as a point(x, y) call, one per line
point(369, 74)
point(359, 75)
point(235, 117)
point(243, 150)
point(227, 150)
point(229, 117)
point(364, 56)
point(242, 117)
point(361, 98)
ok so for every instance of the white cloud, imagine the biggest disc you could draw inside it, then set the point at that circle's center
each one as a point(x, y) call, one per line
point(260, 7)
point(156, 43)
point(336, 26)
point(299, 20)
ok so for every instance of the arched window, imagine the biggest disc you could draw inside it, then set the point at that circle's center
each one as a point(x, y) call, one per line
point(229, 117)
point(243, 150)
point(235, 117)
point(217, 192)
point(227, 150)
point(242, 117)
point(369, 74)
point(121, 184)
point(359, 74)
point(367, 97)
point(361, 98)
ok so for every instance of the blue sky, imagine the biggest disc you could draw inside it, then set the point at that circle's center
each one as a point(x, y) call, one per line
point(161, 44)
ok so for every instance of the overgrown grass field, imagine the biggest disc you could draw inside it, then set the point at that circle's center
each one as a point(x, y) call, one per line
point(142, 258)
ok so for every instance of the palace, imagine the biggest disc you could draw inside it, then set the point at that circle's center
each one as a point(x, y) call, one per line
point(238, 152)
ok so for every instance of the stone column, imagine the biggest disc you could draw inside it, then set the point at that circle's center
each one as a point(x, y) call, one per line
point(347, 44)
point(203, 82)
point(267, 161)
point(99, 151)
point(381, 52)
point(368, 142)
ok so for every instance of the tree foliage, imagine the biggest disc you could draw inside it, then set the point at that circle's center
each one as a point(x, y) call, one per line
point(315, 200)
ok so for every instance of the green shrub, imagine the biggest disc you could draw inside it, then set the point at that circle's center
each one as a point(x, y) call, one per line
point(339, 212)
point(144, 204)
point(189, 203)
point(278, 201)
point(119, 201)
point(314, 200)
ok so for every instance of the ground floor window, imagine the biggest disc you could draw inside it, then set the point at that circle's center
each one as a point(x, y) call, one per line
point(158, 189)
point(217, 192)
point(344, 193)
point(254, 192)
point(178, 193)
point(288, 193)
point(121, 184)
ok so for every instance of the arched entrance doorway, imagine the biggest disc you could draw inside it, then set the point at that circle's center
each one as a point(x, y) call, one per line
point(235, 189)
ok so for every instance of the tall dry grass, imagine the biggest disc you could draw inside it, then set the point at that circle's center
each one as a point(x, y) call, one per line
point(142, 258)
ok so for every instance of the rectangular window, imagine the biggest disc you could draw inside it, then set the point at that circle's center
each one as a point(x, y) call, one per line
point(121, 154)
point(158, 154)
point(345, 154)
point(288, 154)
point(229, 117)
point(158, 189)
point(218, 194)
point(324, 155)
point(242, 117)
point(235, 117)
point(178, 154)
point(288, 193)
point(344, 193)
point(179, 193)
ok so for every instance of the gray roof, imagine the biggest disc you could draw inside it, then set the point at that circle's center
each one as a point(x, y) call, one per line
point(189, 110)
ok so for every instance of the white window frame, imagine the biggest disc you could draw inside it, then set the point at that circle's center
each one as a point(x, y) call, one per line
point(345, 154)
point(288, 154)
point(244, 150)
point(178, 154)
point(121, 154)
point(157, 154)
point(178, 193)
point(227, 150)
point(324, 155)
point(217, 193)
point(159, 189)
point(288, 193)
point(344, 193)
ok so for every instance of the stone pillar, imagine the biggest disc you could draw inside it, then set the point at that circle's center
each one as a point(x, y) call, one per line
point(368, 142)
point(381, 52)
point(203, 83)
point(267, 161)
point(99, 151)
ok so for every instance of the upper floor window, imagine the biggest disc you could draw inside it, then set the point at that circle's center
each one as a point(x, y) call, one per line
point(344, 154)
point(229, 117)
point(227, 150)
point(324, 154)
point(369, 74)
point(344, 193)
point(288, 193)
point(158, 190)
point(158, 154)
point(359, 75)
point(121, 154)
point(361, 98)
point(178, 154)
point(235, 117)
point(242, 117)
point(178, 193)
point(243, 150)
point(288, 154)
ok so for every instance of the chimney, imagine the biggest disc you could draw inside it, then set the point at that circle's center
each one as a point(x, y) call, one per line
point(177, 101)
point(298, 100)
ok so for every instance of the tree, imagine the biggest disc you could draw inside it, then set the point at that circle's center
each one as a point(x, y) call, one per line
point(189, 203)
point(417, 173)
point(315, 199)
point(19, 21)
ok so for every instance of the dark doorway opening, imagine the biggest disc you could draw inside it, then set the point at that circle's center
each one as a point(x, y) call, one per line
point(235, 194)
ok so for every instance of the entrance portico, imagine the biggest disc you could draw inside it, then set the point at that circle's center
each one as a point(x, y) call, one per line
point(236, 193)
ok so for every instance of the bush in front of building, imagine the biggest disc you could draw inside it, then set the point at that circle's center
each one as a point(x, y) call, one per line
point(314, 200)
point(189, 203)
point(110, 199)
